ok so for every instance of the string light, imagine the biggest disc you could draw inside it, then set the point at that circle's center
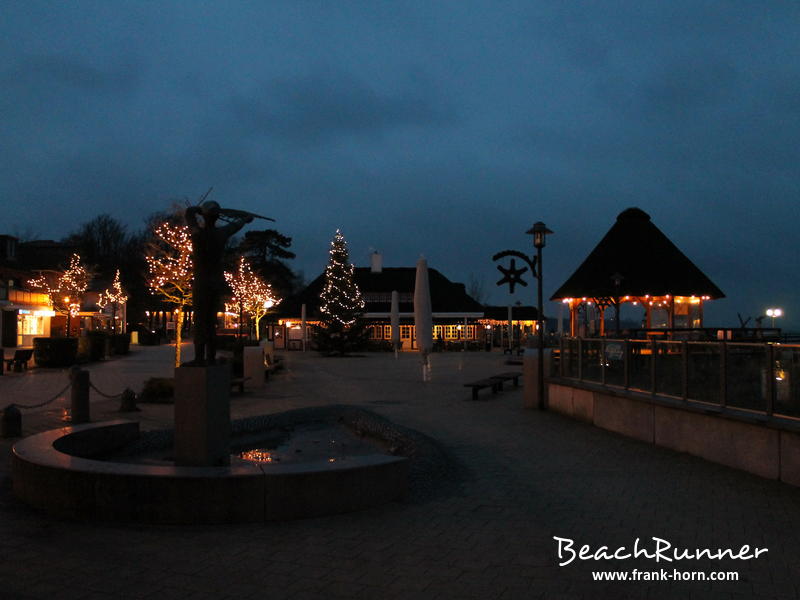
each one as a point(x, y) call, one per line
point(114, 297)
point(65, 290)
point(250, 293)
point(171, 271)
point(341, 300)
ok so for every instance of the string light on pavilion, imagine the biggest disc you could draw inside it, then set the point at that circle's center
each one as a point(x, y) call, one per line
point(621, 270)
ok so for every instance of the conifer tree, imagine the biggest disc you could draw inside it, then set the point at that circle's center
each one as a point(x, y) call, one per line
point(341, 303)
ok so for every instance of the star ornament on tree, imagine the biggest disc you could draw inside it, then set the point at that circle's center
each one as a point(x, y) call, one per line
point(512, 276)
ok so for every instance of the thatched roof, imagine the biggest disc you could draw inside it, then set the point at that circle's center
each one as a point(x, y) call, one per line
point(645, 261)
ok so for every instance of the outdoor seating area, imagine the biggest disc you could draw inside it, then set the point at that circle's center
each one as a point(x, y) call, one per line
point(494, 383)
point(19, 361)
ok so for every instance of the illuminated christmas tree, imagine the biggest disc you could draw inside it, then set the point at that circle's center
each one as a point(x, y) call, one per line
point(251, 295)
point(341, 303)
point(170, 267)
point(114, 297)
point(65, 289)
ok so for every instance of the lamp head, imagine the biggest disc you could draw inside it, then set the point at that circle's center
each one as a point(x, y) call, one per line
point(539, 231)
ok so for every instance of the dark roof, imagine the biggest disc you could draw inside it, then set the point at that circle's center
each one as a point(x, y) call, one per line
point(647, 261)
point(446, 296)
point(518, 313)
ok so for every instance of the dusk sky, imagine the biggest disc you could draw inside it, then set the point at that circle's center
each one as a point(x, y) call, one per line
point(436, 128)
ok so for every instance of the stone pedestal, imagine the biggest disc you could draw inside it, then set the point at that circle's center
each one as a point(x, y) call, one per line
point(530, 376)
point(254, 366)
point(202, 416)
point(269, 350)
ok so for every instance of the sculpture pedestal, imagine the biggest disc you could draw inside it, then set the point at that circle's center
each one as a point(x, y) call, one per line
point(202, 416)
point(253, 358)
point(530, 376)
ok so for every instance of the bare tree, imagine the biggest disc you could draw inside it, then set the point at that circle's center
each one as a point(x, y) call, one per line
point(476, 290)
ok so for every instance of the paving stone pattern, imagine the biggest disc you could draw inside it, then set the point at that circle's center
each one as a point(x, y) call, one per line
point(529, 476)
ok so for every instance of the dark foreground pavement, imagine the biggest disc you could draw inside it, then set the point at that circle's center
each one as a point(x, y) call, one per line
point(527, 476)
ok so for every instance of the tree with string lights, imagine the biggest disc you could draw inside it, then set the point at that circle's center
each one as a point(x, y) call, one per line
point(170, 269)
point(250, 294)
point(341, 303)
point(65, 289)
point(114, 297)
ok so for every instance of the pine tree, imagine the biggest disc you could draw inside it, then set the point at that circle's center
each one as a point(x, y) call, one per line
point(341, 303)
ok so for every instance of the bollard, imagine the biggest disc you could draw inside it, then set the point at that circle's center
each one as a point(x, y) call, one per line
point(11, 422)
point(128, 401)
point(80, 395)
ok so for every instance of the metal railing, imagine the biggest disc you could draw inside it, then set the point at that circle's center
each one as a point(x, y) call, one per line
point(759, 377)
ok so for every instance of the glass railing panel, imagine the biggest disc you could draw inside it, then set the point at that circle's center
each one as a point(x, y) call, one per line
point(669, 368)
point(747, 376)
point(640, 360)
point(703, 365)
point(592, 360)
point(615, 362)
point(787, 381)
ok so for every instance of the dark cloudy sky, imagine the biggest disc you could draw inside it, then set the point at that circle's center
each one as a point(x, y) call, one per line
point(441, 128)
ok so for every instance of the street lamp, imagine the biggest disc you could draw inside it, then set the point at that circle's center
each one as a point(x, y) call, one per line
point(540, 233)
point(69, 314)
point(774, 312)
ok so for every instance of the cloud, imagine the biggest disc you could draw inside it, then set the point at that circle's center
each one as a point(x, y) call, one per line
point(330, 104)
point(690, 84)
point(44, 72)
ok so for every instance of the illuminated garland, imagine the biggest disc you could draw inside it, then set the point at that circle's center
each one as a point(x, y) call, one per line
point(170, 264)
point(65, 290)
point(114, 297)
point(251, 294)
point(171, 270)
point(341, 300)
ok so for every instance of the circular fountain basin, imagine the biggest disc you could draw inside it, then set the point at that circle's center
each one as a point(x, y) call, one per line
point(90, 472)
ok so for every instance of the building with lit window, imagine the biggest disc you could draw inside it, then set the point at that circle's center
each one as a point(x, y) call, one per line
point(24, 314)
point(456, 315)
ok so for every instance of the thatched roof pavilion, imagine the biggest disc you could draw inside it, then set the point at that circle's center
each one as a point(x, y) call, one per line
point(636, 263)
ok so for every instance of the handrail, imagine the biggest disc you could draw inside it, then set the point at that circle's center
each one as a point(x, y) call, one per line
point(758, 377)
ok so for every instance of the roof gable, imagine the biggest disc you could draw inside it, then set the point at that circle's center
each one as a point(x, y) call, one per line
point(643, 258)
point(446, 296)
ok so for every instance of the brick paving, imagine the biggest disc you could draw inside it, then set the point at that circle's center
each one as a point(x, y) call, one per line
point(528, 476)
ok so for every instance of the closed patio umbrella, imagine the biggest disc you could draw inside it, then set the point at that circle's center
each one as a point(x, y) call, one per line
point(423, 318)
point(394, 319)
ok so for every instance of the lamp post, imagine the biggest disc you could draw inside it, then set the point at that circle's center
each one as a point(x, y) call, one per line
point(69, 314)
point(540, 232)
point(513, 276)
point(774, 312)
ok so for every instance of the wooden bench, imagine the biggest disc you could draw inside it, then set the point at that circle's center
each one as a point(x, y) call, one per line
point(19, 361)
point(518, 349)
point(476, 386)
point(512, 376)
point(273, 365)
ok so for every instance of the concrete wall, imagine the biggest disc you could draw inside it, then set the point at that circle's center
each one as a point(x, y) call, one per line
point(766, 451)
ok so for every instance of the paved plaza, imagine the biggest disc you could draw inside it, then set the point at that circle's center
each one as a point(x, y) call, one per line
point(524, 477)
